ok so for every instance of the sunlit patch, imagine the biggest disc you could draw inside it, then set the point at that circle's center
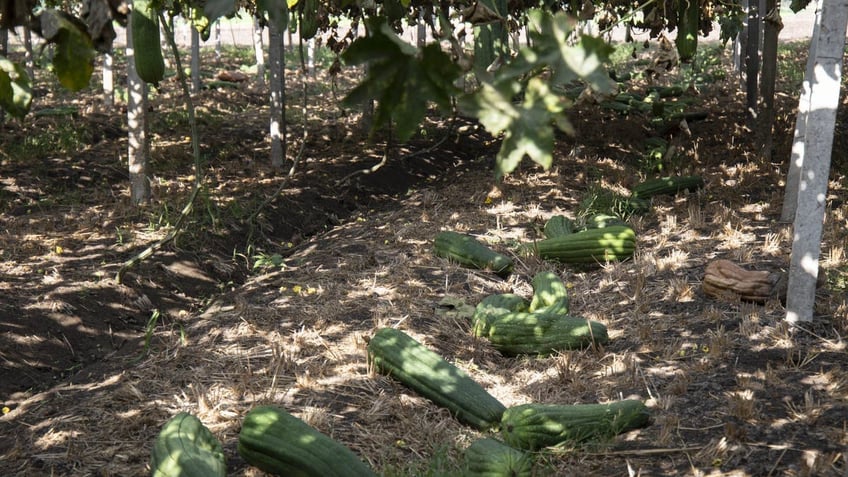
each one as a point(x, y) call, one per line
point(742, 405)
point(807, 411)
point(675, 260)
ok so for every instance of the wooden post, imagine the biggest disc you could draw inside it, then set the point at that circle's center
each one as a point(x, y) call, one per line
point(796, 160)
point(829, 47)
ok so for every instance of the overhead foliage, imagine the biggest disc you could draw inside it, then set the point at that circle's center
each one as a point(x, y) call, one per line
point(73, 59)
point(550, 60)
point(517, 96)
point(403, 79)
point(15, 89)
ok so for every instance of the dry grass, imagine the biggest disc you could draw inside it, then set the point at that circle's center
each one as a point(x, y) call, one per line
point(733, 390)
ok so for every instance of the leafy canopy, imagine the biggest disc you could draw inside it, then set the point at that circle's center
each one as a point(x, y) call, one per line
point(402, 78)
point(528, 125)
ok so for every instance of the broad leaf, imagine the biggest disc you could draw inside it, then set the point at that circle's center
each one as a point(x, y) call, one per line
point(15, 88)
point(551, 48)
point(527, 126)
point(73, 58)
point(403, 79)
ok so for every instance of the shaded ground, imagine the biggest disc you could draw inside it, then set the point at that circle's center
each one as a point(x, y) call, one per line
point(278, 310)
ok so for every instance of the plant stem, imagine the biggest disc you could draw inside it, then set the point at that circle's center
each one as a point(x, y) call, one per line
point(195, 151)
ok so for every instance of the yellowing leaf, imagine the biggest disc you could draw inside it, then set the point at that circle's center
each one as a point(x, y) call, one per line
point(296, 289)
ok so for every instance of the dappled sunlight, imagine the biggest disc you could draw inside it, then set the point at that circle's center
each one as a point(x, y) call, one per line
point(731, 390)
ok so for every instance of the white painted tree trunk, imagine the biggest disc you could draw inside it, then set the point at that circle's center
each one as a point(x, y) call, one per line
point(796, 160)
point(826, 78)
point(277, 95)
point(259, 51)
point(108, 79)
point(138, 152)
point(310, 56)
point(217, 32)
point(29, 59)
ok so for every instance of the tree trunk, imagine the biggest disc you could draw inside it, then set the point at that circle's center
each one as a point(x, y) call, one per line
point(108, 80)
point(367, 118)
point(217, 30)
point(277, 96)
point(772, 26)
point(29, 58)
point(796, 160)
point(421, 31)
point(195, 59)
point(310, 56)
point(259, 50)
point(752, 58)
point(740, 47)
point(4, 51)
point(812, 187)
point(138, 153)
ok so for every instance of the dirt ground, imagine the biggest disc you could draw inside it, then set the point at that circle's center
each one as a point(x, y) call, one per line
point(240, 312)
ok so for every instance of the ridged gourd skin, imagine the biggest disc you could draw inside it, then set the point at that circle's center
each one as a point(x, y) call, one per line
point(605, 202)
point(667, 186)
point(536, 426)
point(400, 356)
point(558, 225)
point(602, 221)
point(493, 306)
point(147, 49)
point(617, 242)
point(489, 457)
point(279, 443)
point(543, 333)
point(541, 326)
point(550, 294)
point(688, 19)
point(309, 19)
point(187, 448)
point(470, 252)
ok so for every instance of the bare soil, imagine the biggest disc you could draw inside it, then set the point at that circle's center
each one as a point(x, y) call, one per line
point(240, 312)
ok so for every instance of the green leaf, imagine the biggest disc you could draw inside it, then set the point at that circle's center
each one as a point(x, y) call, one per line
point(551, 49)
point(527, 127)
point(15, 88)
point(531, 134)
point(403, 79)
point(73, 58)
